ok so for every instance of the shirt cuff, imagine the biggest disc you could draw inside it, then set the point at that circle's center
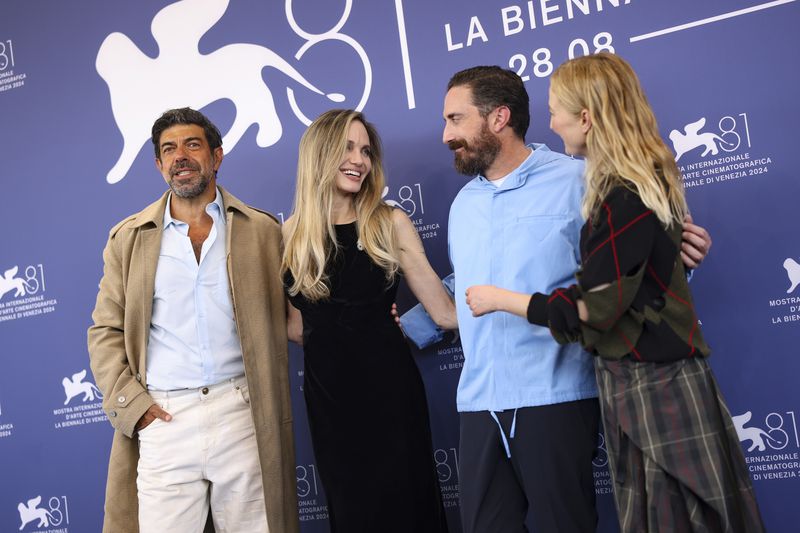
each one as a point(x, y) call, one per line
point(537, 309)
point(420, 327)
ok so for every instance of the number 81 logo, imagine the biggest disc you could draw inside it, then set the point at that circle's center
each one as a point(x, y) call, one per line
point(54, 514)
point(777, 435)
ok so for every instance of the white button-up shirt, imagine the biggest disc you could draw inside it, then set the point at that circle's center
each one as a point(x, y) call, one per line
point(193, 336)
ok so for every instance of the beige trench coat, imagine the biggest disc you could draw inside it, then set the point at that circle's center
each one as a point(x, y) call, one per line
point(118, 348)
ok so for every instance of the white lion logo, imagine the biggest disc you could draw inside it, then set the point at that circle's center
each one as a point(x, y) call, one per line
point(683, 143)
point(142, 87)
point(29, 513)
point(793, 271)
point(755, 434)
point(77, 386)
point(8, 282)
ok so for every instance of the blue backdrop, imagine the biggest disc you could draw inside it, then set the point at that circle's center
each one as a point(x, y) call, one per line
point(82, 82)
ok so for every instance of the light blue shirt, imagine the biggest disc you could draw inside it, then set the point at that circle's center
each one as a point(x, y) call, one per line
point(193, 336)
point(521, 236)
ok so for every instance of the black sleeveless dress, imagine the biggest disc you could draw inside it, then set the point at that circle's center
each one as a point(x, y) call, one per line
point(366, 403)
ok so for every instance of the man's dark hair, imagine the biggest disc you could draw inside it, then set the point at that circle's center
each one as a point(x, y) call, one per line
point(185, 115)
point(493, 87)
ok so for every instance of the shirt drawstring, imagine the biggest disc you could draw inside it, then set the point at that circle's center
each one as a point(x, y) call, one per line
point(503, 433)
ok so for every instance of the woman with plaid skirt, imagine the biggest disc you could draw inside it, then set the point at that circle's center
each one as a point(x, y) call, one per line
point(673, 452)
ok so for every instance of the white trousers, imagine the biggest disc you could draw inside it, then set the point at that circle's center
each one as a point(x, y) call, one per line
point(206, 455)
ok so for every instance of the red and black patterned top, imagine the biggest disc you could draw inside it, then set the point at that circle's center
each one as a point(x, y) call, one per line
point(645, 310)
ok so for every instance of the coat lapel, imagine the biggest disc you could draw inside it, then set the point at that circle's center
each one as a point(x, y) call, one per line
point(230, 242)
point(147, 251)
point(235, 243)
point(148, 263)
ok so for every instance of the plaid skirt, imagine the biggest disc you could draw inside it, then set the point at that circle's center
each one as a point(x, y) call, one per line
point(674, 455)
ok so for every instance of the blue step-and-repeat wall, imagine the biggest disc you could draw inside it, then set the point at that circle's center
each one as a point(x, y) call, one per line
point(81, 83)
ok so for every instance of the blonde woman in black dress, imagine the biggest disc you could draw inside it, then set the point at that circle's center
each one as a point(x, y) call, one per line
point(345, 251)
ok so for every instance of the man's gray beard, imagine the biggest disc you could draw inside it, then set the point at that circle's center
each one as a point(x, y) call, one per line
point(191, 191)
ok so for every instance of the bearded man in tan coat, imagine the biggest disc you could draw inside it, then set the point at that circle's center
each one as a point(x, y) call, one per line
point(189, 349)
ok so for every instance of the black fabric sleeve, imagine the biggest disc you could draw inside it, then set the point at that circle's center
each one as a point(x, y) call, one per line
point(615, 257)
point(559, 312)
point(620, 240)
point(537, 309)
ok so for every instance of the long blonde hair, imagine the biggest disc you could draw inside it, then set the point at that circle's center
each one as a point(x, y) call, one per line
point(623, 146)
point(310, 236)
